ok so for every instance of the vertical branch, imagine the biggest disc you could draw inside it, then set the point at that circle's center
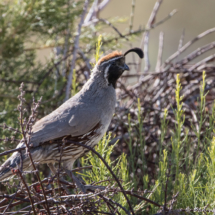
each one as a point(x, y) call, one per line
point(30, 156)
point(160, 52)
point(75, 49)
point(66, 41)
point(28, 127)
point(27, 189)
point(132, 15)
point(130, 29)
point(65, 52)
point(57, 52)
point(20, 108)
point(97, 9)
point(145, 39)
point(181, 41)
point(146, 51)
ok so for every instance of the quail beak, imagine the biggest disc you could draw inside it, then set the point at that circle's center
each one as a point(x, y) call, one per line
point(126, 67)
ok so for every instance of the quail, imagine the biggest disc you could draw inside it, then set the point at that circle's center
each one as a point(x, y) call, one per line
point(85, 118)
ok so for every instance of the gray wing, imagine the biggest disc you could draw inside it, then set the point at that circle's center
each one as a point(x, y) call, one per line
point(75, 120)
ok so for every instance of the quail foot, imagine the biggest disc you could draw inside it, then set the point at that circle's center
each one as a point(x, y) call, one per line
point(84, 118)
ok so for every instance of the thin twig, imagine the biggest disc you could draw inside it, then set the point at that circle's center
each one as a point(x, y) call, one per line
point(114, 28)
point(140, 197)
point(75, 50)
point(28, 191)
point(27, 139)
point(13, 198)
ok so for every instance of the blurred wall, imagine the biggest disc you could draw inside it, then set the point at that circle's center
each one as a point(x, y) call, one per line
point(195, 16)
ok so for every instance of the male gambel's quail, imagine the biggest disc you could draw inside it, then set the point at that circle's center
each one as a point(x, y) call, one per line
point(85, 118)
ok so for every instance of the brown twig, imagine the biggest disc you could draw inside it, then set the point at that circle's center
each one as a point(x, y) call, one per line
point(27, 139)
point(27, 189)
point(13, 198)
point(4, 126)
point(114, 28)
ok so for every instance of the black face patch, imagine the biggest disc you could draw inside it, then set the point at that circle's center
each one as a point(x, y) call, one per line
point(115, 70)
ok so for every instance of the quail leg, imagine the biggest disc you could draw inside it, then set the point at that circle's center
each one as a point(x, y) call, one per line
point(53, 170)
point(83, 188)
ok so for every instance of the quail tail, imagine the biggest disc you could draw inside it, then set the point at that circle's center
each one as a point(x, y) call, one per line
point(6, 173)
point(7, 166)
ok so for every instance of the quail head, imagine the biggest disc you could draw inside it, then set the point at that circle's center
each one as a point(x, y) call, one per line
point(84, 118)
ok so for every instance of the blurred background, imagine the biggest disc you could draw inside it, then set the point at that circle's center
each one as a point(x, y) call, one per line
point(193, 17)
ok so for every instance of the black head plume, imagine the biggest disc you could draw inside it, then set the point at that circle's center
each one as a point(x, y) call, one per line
point(137, 51)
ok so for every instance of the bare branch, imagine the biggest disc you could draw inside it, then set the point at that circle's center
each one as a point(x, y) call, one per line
point(204, 61)
point(160, 52)
point(195, 54)
point(76, 45)
point(145, 38)
point(92, 11)
point(132, 15)
point(186, 46)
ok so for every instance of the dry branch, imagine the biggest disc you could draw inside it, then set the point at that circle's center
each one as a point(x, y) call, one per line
point(75, 50)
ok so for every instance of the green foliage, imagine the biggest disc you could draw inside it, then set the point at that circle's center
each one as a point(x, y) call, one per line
point(98, 47)
point(176, 138)
point(101, 173)
point(183, 168)
point(74, 83)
